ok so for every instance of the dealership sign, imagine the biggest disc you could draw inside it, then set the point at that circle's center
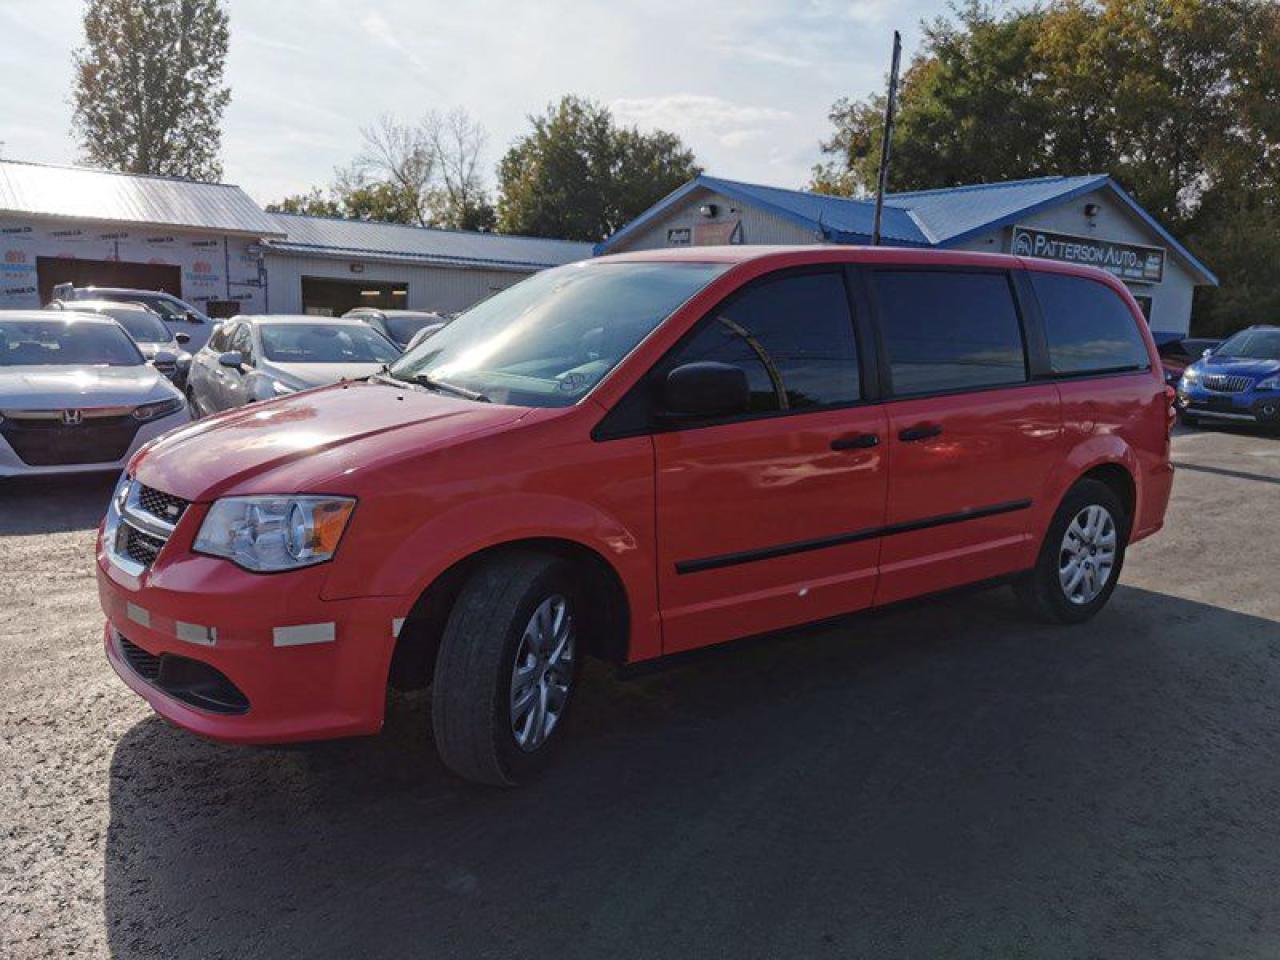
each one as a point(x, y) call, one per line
point(1128, 261)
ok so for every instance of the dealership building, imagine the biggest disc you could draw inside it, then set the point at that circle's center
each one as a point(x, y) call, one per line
point(211, 245)
point(1087, 219)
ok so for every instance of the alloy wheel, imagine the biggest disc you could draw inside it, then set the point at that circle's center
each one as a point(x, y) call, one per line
point(543, 673)
point(1088, 554)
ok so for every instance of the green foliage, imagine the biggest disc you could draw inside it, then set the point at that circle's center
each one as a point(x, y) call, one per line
point(148, 93)
point(579, 176)
point(1178, 99)
point(314, 204)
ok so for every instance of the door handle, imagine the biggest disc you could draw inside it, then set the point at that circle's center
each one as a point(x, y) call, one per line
point(857, 441)
point(922, 432)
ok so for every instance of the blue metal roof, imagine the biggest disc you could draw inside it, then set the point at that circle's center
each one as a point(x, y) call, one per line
point(938, 218)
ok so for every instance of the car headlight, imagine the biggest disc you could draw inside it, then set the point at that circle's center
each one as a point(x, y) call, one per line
point(267, 534)
point(1269, 383)
point(1190, 376)
point(161, 408)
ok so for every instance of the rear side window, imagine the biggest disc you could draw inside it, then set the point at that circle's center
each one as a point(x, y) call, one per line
point(793, 336)
point(218, 341)
point(1088, 327)
point(946, 331)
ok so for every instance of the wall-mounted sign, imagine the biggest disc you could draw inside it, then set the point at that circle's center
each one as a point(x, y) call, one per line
point(1128, 261)
point(717, 234)
point(678, 237)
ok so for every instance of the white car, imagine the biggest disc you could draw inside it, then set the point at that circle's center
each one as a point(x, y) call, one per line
point(160, 345)
point(76, 394)
point(249, 359)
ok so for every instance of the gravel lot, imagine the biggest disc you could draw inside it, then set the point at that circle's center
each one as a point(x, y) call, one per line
point(945, 780)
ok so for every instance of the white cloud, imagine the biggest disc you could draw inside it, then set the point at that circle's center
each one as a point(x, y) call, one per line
point(697, 115)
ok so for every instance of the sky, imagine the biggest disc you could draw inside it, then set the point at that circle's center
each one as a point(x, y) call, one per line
point(746, 85)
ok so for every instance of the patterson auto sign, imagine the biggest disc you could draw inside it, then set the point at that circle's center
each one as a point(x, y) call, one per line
point(1128, 261)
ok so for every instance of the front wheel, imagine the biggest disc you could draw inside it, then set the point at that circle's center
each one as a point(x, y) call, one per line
point(1080, 560)
point(507, 669)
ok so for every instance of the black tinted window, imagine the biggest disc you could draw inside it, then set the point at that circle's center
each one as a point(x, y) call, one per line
point(949, 331)
point(1088, 327)
point(793, 336)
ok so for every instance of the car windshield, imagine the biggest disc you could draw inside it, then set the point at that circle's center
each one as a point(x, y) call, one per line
point(1252, 345)
point(325, 343)
point(65, 342)
point(167, 307)
point(402, 327)
point(547, 341)
point(142, 325)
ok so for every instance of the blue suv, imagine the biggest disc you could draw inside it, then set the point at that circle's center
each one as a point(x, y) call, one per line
point(1237, 380)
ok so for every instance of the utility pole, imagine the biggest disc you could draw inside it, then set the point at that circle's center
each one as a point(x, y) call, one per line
point(886, 146)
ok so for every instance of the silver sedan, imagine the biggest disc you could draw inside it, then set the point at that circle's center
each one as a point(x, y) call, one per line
point(256, 358)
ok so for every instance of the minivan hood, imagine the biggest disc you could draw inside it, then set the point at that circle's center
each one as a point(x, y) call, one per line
point(298, 442)
point(43, 387)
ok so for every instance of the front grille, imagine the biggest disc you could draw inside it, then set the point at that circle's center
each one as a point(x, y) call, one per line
point(194, 682)
point(138, 546)
point(164, 506)
point(51, 443)
point(1224, 383)
point(146, 665)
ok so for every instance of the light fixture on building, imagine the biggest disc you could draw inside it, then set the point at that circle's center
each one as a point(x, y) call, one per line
point(708, 209)
point(1091, 213)
point(357, 268)
point(370, 293)
point(400, 293)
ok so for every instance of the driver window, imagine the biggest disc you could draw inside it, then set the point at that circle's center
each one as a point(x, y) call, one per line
point(793, 336)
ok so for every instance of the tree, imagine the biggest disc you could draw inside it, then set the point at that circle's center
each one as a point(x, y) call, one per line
point(579, 176)
point(458, 143)
point(314, 204)
point(1175, 98)
point(148, 92)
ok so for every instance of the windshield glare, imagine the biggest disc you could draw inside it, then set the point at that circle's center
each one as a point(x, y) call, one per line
point(548, 340)
point(65, 342)
point(325, 343)
point(1252, 345)
point(142, 326)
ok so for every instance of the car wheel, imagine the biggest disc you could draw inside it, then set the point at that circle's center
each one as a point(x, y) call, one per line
point(191, 402)
point(507, 668)
point(1188, 419)
point(1080, 560)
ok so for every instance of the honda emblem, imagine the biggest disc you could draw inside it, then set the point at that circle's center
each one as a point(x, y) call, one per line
point(72, 417)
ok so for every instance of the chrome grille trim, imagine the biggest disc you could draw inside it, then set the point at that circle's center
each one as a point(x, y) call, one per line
point(1226, 383)
point(135, 534)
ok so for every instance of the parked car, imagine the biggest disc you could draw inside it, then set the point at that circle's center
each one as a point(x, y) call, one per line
point(258, 358)
point(178, 315)
point(76, 394)
point(160, 345)
point(1176, 351)
point(400, 326)
point(632, 457)
point(428, 331)
point(1238, 380)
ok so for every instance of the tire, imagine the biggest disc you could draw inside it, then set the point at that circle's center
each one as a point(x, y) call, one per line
point(1042, 591)
point(1188, 419)
point(476, 723)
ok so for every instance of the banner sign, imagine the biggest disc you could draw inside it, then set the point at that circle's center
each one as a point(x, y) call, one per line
point(1128, 261)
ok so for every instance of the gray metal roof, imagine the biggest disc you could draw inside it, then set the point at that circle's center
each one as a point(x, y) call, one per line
point(362, 240)
point(86, 194)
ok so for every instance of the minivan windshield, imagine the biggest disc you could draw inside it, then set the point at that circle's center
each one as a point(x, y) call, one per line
point(1252, 345)
point(548, 340)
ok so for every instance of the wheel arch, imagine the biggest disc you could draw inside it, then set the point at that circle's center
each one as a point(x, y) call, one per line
point(608, 606)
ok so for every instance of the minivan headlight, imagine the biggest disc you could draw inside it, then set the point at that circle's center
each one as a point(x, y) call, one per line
point(1190, 375)
point(268, 534)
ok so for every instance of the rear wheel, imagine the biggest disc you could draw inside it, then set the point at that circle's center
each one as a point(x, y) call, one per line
point(1080, 560)
point(507, 668)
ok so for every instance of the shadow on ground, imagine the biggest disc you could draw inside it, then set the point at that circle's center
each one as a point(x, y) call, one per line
point(36, 505)
point(942, 780)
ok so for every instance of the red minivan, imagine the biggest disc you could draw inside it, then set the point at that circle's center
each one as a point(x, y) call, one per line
point(631, 457)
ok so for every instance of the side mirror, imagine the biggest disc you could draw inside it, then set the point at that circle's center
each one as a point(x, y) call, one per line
point(232, 358)
point(1208, 352)
point(182, 337)
point(696, 391)
point(164, 356)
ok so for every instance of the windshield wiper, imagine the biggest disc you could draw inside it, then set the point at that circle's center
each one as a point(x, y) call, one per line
point(444, 386)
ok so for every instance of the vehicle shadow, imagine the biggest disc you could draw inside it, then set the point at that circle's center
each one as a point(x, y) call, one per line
point(941, 780)
point(32, 505)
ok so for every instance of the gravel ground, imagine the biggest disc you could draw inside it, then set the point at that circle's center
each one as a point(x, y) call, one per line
point(942, 780)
